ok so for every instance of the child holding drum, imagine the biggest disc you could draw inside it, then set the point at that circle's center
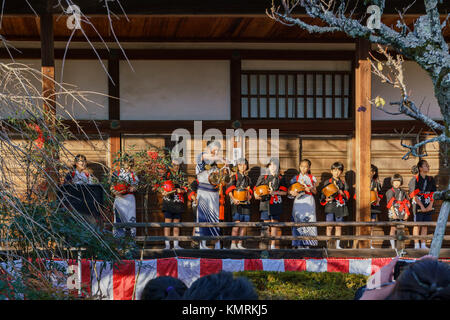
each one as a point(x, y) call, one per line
point(271, 205)
point(397, 203)
point(303, 189)
point(240, 192)
point(334, 197)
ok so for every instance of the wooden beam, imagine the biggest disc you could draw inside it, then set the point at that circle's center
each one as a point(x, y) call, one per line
point(48, 87)
point(114, 104)
point(362, 114)
point(200, 7)
point(235, 87)
point(114, 86)
point(326, 127)
point(298, 127)
point(191, 54)
point(114, 147)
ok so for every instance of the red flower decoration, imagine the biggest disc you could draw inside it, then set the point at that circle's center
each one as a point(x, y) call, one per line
point(152, 155)
point(39, 142)
point(168, 186)
point(121, 188)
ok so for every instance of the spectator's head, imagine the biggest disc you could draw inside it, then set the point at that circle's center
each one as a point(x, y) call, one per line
point(221, 286)
point(163, 288)
point(427, 279)
point(397, 180)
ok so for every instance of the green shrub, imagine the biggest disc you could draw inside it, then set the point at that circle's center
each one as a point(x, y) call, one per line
point(294, 285)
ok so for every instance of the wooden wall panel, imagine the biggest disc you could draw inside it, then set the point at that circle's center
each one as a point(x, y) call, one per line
point(387, 155)
point(289, 155)
point(95, 150)
point(11, 171)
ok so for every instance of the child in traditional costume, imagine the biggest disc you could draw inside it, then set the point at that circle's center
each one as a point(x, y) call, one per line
point(271, 206)
point(397, 203)
point(192, 196)
point(124, 186)
point(173, 200)
point(336, 204)
point(375, 186)
point(304, 208)
point(421, 188)
point(240, 210)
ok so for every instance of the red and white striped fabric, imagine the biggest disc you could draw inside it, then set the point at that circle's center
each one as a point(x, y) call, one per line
point(126, 280)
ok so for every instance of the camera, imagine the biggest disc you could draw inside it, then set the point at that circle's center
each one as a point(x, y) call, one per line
point(400, 266)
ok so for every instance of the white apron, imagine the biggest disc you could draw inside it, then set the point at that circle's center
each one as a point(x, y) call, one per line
point(208, 201)
point(125, 207)
point(304, 210)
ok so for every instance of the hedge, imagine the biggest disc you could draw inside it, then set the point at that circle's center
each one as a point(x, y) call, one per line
point(302, 285)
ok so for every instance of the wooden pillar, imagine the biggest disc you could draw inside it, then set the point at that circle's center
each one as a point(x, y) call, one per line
point(235, 86)
point(362, 114)
point(114, 104)
point(48, 64)
point(48, 86)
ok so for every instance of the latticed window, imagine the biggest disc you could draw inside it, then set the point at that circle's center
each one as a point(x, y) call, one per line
point(295, 94)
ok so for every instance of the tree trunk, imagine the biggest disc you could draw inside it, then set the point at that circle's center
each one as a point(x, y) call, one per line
point(439, 232)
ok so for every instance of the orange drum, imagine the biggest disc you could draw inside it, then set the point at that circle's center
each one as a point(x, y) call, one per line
point(262, 190)
point(330, 190)
point(241, 195)
point(373, 196)
point(297, 187)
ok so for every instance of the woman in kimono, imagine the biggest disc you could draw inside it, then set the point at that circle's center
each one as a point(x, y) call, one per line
point(80, 173)
point(124, 186)
point(207, 194)
point(304, 208)
point(77, 196)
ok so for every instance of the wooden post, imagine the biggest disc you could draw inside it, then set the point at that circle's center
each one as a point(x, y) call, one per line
point(264, 244)
point(235, 86)
point(363, 130)
point(400, 234)
point(48, 86)
point(114, 103)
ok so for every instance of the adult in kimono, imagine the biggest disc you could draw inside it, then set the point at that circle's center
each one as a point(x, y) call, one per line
point(79, 197)
point(124, 186)
point(304, 208)
point(207, 194)
point(80, 173)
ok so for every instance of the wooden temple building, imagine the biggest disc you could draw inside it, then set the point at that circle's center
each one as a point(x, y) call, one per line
point(229, 65)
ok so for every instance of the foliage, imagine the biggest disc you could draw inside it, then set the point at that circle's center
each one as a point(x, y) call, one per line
point(293, 285)
point(35, 222)
point(150, 165)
